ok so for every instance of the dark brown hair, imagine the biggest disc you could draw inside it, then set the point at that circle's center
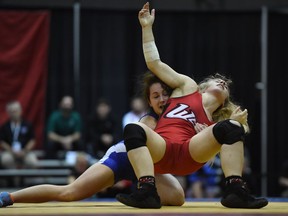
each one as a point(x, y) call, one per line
point(149, 79)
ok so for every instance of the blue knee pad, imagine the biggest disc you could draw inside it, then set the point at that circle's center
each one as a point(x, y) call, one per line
point(227, 132)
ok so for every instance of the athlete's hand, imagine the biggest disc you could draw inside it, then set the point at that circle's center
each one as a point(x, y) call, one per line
point(107, 139)
point(145, 17)
point(67, 142)
point(19, 154)
point(239, 115)
point(199, 127)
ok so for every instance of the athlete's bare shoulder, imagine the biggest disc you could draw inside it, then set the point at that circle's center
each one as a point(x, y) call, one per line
point(150, 121)
point(189, 86)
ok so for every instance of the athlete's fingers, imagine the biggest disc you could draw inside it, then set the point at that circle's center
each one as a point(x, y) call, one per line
point(153, 13)
point(146, 5)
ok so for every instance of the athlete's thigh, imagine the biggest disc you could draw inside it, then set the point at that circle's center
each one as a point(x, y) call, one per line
point(94, 179)
point(203, 146)
point(155, 143)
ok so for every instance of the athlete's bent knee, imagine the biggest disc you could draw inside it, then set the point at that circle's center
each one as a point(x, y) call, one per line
point(178, 197)
point(68, 194)
point(134, 136)
point(228, 132)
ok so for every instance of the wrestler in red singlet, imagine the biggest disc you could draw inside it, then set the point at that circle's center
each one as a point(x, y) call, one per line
point(176, 126)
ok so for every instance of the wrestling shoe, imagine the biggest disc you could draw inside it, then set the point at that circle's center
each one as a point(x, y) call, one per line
point(5, 199)
point(145, 196)
point(237, 195)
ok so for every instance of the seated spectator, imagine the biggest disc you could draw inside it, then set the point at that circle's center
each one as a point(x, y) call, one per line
point(138, 109)
point(283, 179)
point(100, 130)
point(81, 164)
point(64, 129)
point(17, 140)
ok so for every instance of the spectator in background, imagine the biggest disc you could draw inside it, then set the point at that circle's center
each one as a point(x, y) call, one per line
point(205, 183)
point(138, 109)
point(81, 165)
point(283, 179)
point(64, 129)
point(17, 140)
point(100, 129)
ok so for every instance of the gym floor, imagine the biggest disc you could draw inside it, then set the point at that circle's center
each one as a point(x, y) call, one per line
point(98, 207)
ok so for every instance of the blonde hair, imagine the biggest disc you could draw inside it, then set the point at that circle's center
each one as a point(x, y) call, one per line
point(224, 111)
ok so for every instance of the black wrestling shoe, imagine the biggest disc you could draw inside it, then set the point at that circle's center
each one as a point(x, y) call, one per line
point(237, 195)
point(144, 197)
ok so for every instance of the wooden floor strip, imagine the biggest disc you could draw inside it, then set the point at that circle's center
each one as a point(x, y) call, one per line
point(116, 208)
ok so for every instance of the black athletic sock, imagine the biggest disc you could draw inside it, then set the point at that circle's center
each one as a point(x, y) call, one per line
point(146, 181)
point(233, 180)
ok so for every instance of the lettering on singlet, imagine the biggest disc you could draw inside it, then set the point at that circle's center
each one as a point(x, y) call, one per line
point(180, 112)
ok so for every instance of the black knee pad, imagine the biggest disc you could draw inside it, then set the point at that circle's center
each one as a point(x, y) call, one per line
point(134, 136)
point(226, 132)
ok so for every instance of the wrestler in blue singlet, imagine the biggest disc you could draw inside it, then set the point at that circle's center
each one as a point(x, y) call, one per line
point(116, 158)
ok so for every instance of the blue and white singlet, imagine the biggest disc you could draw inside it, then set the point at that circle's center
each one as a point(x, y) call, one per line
point(116, 158)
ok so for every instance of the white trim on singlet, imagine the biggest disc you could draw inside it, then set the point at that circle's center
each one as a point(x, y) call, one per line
point(118, 148)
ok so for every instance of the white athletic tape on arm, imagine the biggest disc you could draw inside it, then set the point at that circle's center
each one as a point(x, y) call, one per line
point(150, 51)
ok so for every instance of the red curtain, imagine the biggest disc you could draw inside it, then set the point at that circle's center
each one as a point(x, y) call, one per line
point(24, 38)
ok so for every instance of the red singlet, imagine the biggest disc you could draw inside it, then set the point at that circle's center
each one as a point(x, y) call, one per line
point(176, 126)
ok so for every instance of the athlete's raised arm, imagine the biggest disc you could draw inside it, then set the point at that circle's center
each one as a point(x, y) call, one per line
point(160, 69)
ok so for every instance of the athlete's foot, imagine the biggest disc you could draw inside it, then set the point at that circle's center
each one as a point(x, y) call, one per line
point(5, 199)
point(237, 195)
point(144, 197)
